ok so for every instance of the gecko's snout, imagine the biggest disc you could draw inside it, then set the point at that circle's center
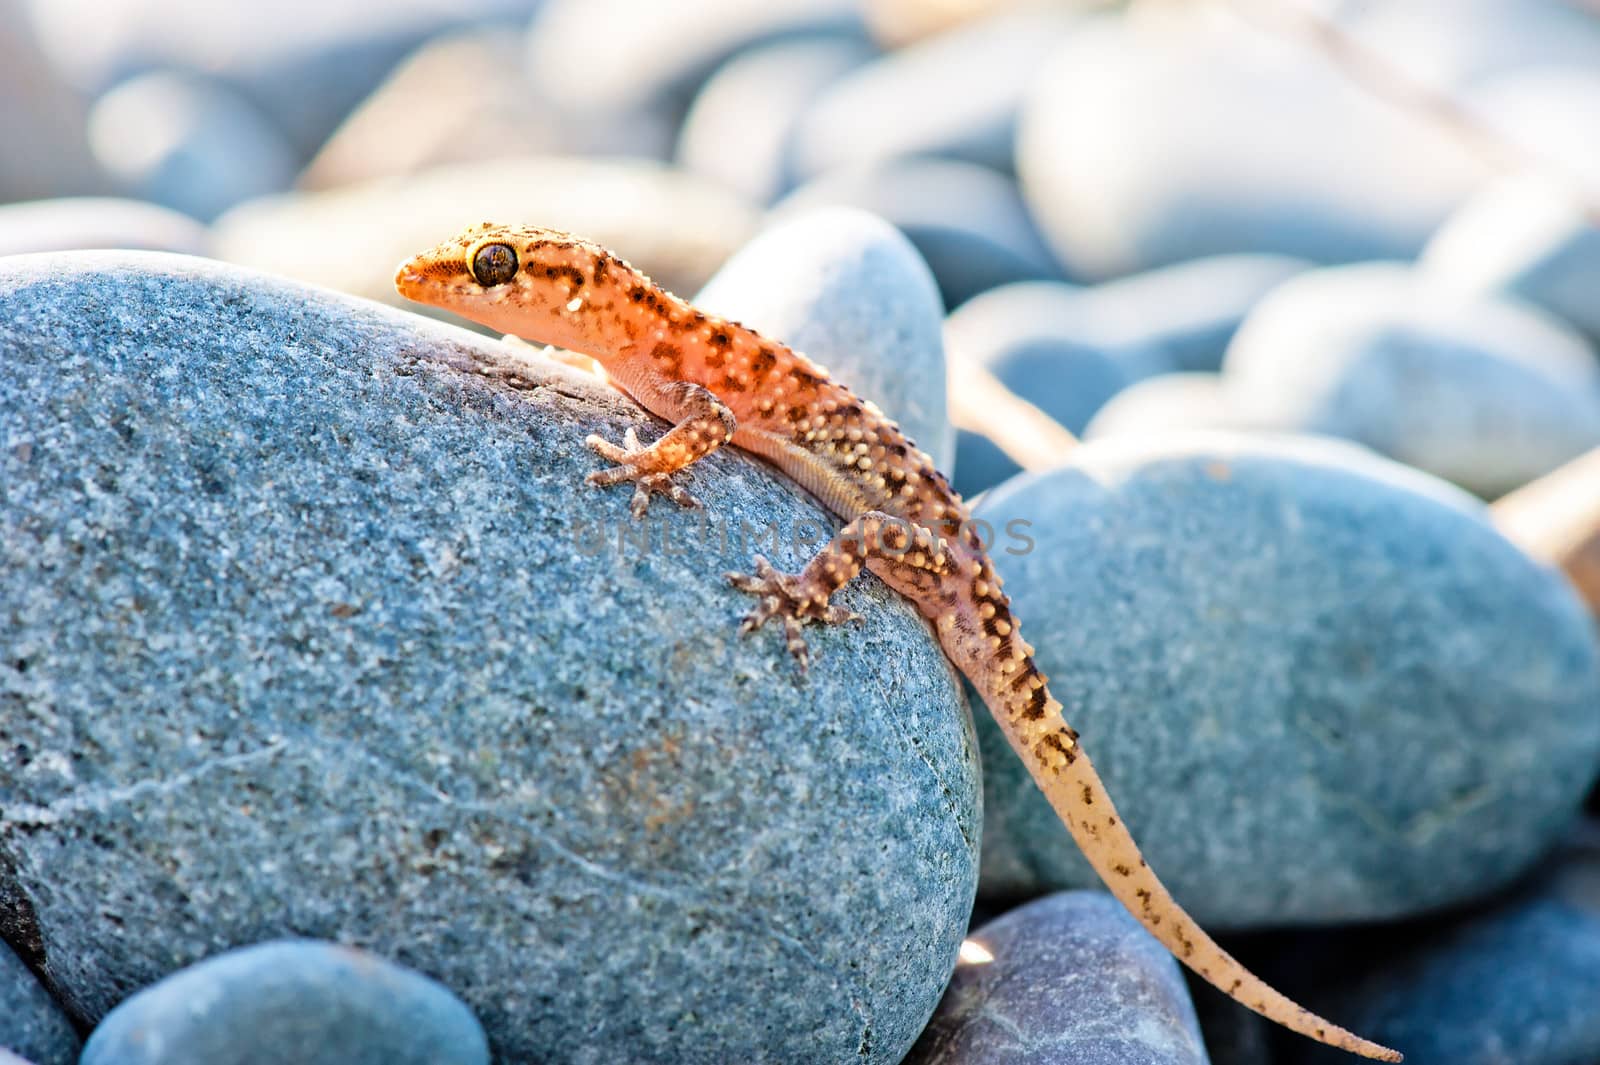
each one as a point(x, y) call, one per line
point(408, 279)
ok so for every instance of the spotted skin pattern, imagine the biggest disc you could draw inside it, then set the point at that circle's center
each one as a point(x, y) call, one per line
point(719, 382)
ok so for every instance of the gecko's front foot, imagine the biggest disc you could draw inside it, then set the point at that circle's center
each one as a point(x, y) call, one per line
point(639, 465)
point(794, 599)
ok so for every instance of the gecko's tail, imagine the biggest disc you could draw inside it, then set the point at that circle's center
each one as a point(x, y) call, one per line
point(1068, 779)
point(1080, 800)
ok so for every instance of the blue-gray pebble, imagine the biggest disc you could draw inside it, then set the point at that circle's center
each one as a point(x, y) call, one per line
point(1515, 983)
point(967, 220)
point(740, 128)
point(849, 291)
point(1151, 141)
point(1067, 978)
point(31, 1023)
point(1481, 390)
point(315, 629)
point(303, 1001)
point(1527, 239)
point(1321, 687)
point(954, 96)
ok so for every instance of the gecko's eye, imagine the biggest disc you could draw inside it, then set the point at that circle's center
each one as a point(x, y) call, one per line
point(495, 264)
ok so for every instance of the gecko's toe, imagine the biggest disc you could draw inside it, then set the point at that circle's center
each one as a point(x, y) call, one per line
point(794, 638)
point(606, 449)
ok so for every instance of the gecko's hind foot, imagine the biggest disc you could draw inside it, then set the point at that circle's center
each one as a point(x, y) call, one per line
point(647, 482)
point(790, 599)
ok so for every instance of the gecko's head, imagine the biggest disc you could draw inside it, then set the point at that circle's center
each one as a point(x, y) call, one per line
point(535, 283)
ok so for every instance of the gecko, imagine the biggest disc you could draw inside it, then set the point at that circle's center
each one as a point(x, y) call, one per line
point(719, 383)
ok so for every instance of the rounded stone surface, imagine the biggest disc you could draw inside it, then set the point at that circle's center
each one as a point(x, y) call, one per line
point(676, 227)
point(314, 628)
point(293, 1000)
point(1526, 239)
point(846, 289)
point(1067, 978)
point(1184, 133)
point(1319, 685)
point(76, 223)
point(954, 96)
point(740, 128)
point(966, 220)
point(30, 1021)
point(1484, 391)
point(189, 142)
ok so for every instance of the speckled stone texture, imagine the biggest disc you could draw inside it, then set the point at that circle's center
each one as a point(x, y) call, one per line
point(296, 1001)
point(30, 1021)
point(1319, 686)
point(312, 628)
point(849, 291)
point(1073, 978)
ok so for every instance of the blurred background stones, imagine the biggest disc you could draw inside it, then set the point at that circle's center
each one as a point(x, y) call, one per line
point(1186, 132)
point(966, 220)
point(1482, 390)
point(675, 226)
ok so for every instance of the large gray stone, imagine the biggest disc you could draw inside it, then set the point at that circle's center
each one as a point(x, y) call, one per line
point(296, 1000)
point(1320, 686)
point(1479, 389)
point(30, 1021)
point(312, 627)
point(1186, 132)
point(1068, 978)
point(849, 291)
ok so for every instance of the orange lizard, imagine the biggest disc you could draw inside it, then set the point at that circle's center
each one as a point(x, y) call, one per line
point(719, 383)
